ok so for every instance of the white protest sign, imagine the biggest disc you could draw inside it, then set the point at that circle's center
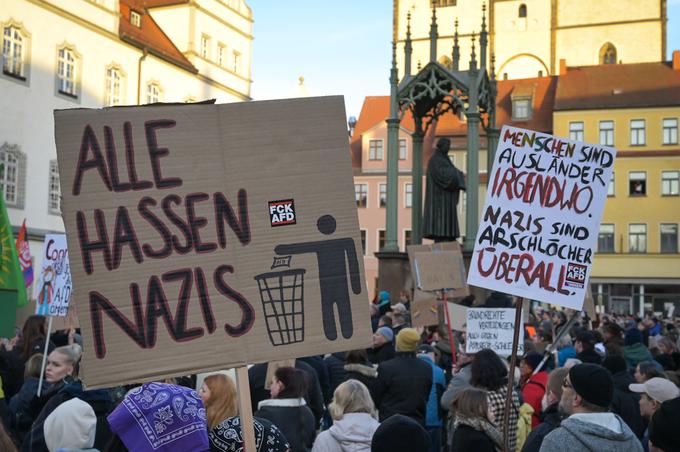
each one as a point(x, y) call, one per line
point(53, 291)
point(540, 222)
point(492, 328)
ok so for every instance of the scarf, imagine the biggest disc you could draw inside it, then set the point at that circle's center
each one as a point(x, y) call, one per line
point(483, 426)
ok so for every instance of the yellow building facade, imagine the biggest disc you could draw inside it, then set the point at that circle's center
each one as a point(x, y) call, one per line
point(530, 37)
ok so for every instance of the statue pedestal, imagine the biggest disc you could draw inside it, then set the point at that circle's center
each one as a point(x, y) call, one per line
point(394, 273)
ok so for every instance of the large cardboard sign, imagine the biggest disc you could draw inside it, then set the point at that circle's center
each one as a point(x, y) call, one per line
point(492, 328)
point(437, 270)
point(53, 291)
point(450, 249)
point(540, 221)
point(205, 237)
point(425, 312)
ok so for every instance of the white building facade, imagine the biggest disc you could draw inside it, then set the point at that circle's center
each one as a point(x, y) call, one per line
point(60, 54)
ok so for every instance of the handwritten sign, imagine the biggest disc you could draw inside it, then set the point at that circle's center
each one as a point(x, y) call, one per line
point(169, 213)
point(540, 221)
point(492, 328)
point(437, 270)
point(54, 288)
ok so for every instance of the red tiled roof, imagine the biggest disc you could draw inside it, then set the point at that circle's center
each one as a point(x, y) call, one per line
point(618, 86)
point(150, 35)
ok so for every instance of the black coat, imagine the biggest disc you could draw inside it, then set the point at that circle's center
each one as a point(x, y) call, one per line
point(321, 373)
point(403, 387)
point(335, 366)
point(550, 420)
point(258, 373)
point(627, 404)
point(365, 373)
point(589, 356)
point(383, 353)
point(466, 438)
point(295, 422)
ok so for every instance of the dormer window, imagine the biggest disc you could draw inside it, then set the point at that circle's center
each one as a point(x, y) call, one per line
point(521, 108)
point(136, 19)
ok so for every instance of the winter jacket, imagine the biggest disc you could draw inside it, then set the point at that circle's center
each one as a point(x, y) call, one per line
point(258, 373)
point(526, 414)
point(433, 418)
point(466, 438)
point(365, 373)
point(352, 433)
point(20, 407)
point(589, 356)
point(669, 362)
point(335, 366)
point(564, 354)
point(593, 432)
point(459, 382)
point(626, 403)
point(403, 387)
point(317, 363)
point(383, 353)
point(533, 392)
point(497, 401)
point(635, 354)
point(294, 418)
point(550, 420)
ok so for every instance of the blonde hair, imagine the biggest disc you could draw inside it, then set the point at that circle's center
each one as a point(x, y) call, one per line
point(471, 403)
point(351, 396)
point(33, 366)
point(73, 353)
point(222, 402)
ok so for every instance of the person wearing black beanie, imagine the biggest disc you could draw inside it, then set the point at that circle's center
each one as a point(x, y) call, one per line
point(400, 432)
point(664, 434)
point(587, 394)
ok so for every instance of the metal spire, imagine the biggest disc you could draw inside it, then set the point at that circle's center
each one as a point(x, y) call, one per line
point(408, 48)
point(473, 56)
point(433, 33)
point(483, 35)
point(394, 80)
point(456, 49)
point(493, 67)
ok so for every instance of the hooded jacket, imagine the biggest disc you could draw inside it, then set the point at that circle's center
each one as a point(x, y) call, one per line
point(294, 418)
point(352, 433)
point(433, 417)
point(635, 354)
point(596, 432)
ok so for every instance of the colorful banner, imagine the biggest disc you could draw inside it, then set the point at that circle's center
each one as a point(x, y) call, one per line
point(539, 225)
point(53, 291)
point(24, 253)
point(12, 289)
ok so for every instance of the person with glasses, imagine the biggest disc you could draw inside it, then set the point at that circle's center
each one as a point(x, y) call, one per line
point(587, 393)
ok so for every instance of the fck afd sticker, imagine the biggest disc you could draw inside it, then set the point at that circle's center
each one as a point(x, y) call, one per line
point(576, 275)
point(282, 212)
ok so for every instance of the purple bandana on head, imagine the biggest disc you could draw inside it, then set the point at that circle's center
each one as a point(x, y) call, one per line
point(159, 417)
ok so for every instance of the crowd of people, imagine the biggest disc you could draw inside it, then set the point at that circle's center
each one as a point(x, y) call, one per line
point(604, 384)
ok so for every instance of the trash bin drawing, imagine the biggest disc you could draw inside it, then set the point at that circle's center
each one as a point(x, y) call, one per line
point(282, 296)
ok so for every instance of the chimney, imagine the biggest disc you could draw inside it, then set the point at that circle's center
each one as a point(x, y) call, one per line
point(676, 60)
point(563, 66)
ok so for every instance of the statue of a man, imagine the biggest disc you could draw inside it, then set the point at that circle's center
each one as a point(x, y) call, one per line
point(442, 190)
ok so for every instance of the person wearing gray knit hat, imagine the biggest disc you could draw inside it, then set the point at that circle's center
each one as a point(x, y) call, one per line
point(587, 392)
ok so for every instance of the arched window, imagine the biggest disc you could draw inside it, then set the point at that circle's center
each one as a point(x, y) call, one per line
point(608, 54)
point(13, 174)
point(68, 77)
point(153, 93)
point(114, 86)
point(522, 10)
point(15, 51)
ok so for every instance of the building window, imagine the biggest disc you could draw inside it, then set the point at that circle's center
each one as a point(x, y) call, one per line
point(113, 83)
point(637, 132)
point(407, 238)
point(221, 54)
point(669, 237)
point(381, 239)
point(608, 54)
point(408, 195)
point(637, 183)
point(670, 183)
point(522, 10)
point(205, 46)
point(14, 50)
point(382, 195)
point(153, 93)
point(12, 175)
point(670, 131)
point(402, 149)
point(637, 238)
point(363, 241)
point(66, 72)
point(136, 19)
point(375, 150)
point(441, 3)
point(607, 133)
point(611, 188)
point(521, 109)
point(576, 131)
point(237, 61)
point(54, 197)
point(605, 239)
point(361, 194)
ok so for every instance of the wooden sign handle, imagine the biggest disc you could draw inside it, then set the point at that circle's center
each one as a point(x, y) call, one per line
point(511, 375)
point(245, 409)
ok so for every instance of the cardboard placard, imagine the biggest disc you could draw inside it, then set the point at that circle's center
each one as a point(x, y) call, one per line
point(54, 288)
point(424, 313)
point(539, 225)
point(437, 270)
point(206, 237)
point(458, 316)
point(453, 247)
point(492, 328)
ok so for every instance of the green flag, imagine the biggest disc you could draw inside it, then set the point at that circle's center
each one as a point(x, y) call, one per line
point(12, 288)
